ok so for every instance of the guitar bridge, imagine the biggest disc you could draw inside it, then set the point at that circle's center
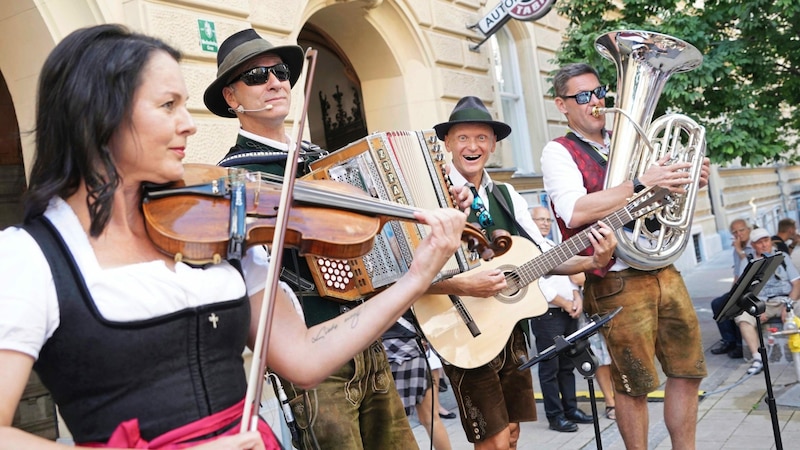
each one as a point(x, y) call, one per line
point(465, 316)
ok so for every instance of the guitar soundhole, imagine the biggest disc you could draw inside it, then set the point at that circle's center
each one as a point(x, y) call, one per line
point(513, 292)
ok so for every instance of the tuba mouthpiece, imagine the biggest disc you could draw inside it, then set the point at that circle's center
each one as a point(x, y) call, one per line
point(596, 111)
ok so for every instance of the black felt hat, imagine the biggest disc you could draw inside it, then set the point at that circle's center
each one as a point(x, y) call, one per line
point(472, 110)
point(237, 50)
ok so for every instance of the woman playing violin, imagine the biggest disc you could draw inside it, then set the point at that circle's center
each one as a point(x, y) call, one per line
point(139, 350)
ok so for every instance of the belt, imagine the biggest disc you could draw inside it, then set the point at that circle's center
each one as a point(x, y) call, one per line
point(550, 312)
point(778, 299)
point(630, 272)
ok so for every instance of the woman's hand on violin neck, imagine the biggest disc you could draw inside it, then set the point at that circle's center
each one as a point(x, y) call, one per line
point(463, 197)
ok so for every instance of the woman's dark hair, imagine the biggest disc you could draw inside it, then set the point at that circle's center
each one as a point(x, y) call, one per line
point(569, 72)
point(85, 93)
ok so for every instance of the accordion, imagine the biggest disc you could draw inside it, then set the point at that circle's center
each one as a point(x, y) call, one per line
point(405, 167)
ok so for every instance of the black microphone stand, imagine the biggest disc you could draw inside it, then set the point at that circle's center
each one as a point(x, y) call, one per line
point(576, 348)
point(743, 297)
point(581, 355)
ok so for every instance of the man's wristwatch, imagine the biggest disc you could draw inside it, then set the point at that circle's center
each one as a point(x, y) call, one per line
point(638, 186)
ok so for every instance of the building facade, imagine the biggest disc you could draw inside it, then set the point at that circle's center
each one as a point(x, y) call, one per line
point(382, 65)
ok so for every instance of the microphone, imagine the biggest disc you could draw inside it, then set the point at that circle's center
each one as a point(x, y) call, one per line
point(240, 109)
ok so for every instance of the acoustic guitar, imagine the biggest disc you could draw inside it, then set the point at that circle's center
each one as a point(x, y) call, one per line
point(469, 332)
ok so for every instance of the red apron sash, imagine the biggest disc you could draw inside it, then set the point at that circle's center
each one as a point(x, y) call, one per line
point(128, 435)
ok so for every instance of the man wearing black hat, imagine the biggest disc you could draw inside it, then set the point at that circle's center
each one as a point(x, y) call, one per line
point(493, 399)
point(254, 81)
point(358, 406)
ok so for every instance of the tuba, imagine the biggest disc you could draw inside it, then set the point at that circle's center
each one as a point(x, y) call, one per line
point(645, 60)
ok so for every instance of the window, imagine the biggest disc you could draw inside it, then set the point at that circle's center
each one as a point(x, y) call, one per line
point(509, 87)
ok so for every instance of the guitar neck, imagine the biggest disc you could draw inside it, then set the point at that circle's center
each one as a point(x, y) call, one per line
point(547, 261)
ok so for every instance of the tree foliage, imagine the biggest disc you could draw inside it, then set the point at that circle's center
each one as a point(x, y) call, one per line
point(746, 91)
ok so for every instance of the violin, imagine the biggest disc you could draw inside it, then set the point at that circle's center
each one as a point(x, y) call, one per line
point(203, 218)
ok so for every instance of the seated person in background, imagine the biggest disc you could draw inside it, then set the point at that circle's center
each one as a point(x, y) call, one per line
point(782, 286)
point(731, 342)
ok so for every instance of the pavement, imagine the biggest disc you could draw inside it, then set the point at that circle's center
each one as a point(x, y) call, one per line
point(734, 410)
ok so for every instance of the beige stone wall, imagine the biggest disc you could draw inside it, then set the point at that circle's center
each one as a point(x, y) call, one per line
point(177, 23)
point(760, 195)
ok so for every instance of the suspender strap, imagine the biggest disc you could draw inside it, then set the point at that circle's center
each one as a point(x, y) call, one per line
point(510, 213)
point(62, 264)
point(591, 151)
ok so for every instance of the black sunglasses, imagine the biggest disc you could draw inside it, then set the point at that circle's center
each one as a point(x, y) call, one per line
point(484, 218)
point(585, 97)
point(260, 75)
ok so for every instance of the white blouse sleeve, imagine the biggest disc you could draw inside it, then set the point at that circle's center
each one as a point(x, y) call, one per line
point(28, 301)
point(562, 179)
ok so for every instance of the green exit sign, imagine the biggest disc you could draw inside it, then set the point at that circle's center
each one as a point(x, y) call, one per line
point(208, 35)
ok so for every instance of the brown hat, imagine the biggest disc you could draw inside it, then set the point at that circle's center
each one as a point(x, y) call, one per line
point(472, 110)
point(237, 50)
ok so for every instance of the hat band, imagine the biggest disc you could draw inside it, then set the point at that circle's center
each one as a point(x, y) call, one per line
point(241, 54)
point(471, 114)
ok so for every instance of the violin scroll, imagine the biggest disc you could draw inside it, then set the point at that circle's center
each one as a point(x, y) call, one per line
point(487, 249)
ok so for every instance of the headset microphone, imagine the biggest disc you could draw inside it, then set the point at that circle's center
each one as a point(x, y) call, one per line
point(240, 109)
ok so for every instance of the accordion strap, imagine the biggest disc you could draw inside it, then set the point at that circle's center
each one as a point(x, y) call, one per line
point(510, 213)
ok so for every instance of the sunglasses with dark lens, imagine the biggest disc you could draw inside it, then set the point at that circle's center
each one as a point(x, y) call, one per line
point(585, 97)
point(484, 218)
point(260, 75)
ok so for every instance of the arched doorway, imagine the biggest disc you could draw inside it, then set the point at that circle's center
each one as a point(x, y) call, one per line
point(12, 170)
point(335, 114)
point(382, 59)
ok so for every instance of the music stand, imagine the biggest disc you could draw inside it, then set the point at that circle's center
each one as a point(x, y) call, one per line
point(743, 297)
point(743, 294)
point(576, 348)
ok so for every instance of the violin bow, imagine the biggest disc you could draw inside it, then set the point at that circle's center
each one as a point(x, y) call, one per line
point(258, 367)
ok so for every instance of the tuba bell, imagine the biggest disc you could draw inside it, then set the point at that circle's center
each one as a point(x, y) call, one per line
point(644, 61)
